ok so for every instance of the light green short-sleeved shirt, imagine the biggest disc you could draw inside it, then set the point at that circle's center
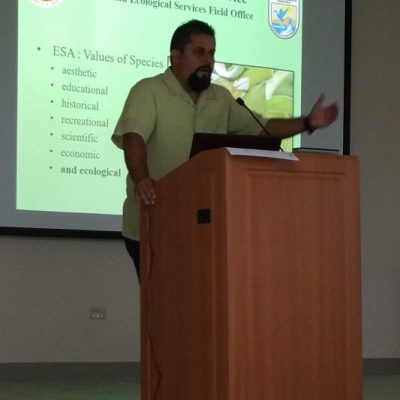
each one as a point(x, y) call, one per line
point(161, 111)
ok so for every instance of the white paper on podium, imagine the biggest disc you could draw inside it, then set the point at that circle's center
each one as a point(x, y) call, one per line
point(262, 153)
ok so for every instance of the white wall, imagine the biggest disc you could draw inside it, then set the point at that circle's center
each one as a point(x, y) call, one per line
point(47, 285)
point(375, 138)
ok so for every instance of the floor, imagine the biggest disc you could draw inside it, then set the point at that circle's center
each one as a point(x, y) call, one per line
point(84, 389)
point(382, 387)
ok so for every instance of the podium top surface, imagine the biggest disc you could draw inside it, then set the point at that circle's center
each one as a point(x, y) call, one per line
point(209, 141)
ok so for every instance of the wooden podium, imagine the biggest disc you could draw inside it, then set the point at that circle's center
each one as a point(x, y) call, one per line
point(251, 280)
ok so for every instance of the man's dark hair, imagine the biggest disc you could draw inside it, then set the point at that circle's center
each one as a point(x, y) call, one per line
point(183, 33)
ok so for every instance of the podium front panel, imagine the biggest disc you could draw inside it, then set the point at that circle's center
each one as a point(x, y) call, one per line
point(251, 281)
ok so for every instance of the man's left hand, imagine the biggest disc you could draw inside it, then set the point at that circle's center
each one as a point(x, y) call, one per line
point(322, 116)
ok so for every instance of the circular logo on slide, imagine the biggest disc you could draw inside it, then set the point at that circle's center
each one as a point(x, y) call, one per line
point(284, 17)
point(46, 3)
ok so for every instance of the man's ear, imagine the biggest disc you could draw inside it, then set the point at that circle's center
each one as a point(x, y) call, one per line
point(175, 56)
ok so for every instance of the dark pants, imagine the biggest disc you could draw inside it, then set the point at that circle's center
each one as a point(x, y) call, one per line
point(133, 247)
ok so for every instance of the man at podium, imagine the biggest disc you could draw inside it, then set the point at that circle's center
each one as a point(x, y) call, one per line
point(162, 113)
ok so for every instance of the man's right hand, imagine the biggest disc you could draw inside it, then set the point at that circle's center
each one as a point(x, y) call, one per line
point(145, 191)
point(136, 161)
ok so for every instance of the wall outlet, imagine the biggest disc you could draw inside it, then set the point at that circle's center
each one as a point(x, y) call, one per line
point(98, 313)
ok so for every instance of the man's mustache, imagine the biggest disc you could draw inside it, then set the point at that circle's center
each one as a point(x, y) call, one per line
point(203, 68)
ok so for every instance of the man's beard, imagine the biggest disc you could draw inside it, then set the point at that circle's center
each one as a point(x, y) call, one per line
point(200, 83)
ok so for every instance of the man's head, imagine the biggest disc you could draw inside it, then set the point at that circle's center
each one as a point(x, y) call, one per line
point(192, 54)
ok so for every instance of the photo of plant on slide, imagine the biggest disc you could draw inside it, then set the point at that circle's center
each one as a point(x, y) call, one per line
point(266, 91)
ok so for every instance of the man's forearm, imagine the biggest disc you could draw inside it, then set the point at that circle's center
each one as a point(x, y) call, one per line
point(283, 128)
point(136, 161)
point(135, 156)
point(319, 117)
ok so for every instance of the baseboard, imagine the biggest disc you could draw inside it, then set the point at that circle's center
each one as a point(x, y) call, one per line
point(131, 370)
point(39, 371)
point(382, 366)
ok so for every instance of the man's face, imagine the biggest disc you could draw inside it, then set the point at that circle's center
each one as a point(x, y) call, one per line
point(194, 65)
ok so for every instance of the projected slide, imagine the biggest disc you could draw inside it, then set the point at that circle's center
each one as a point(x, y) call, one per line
point(78, 59)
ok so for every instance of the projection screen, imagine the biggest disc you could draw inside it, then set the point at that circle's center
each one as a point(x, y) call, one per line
point(67, 67)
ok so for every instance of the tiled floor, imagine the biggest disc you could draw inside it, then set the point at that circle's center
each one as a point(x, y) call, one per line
point(382, 387)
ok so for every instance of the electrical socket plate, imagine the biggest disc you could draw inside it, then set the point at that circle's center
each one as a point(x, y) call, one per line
point(98, 313)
